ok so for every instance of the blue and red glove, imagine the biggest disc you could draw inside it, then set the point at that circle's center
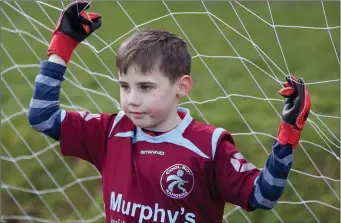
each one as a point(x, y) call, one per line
point(74, 25)
point(295, 111)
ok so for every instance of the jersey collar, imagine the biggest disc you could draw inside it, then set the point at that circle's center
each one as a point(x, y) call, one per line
point(179, 129)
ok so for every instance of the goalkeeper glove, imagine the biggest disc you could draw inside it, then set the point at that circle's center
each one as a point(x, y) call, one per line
point(295, 111)
point(74, 25)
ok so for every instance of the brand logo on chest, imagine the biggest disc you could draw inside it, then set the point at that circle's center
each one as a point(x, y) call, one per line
point(152, 152)
point(177, 181)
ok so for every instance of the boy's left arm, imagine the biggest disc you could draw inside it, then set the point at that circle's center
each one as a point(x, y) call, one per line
point(241, 183)
point(270, 184)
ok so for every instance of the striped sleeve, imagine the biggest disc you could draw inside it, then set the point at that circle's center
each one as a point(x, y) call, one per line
point(270, 184)
point(44, 113)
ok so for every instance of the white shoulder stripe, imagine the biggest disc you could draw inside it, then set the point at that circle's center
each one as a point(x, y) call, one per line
point(62, 115)
point(125, 134)
point(215, 137)
point(119, 116)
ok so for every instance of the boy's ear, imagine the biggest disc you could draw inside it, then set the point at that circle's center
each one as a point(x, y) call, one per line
point(185, 85)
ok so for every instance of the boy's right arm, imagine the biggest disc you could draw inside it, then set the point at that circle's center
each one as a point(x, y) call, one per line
point(81, 131)
point(44, 113)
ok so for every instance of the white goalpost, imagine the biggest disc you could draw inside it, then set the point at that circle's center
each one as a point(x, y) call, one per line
point(241, 53)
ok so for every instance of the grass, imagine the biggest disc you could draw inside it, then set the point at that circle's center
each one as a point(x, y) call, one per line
point(240, 95)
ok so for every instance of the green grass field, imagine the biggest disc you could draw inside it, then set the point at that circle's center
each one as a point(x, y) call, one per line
point(238, 60)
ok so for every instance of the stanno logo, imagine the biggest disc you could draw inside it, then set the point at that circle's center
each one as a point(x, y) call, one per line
point(152, 152)
point(177, 181)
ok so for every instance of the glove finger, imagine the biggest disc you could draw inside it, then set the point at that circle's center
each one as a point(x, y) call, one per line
point(286, 84)
point(77, 6)
point(80, 6)
point(300, 95)
point(93, 15)
point(84, 18)
point(301, 88)
point(89, 18)
point(304, 94)
point(286, 91)
point(292, 81)
point(73, 10)
point(96, 24)
point(83, 5)
point(89, 28)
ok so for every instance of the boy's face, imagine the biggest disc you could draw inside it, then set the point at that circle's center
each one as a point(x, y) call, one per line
point(148, 99)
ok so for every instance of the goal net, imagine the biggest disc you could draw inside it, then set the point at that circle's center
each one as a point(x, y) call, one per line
point(241, 53)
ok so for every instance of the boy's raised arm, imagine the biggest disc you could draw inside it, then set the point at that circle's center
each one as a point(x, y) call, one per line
point(270, 184)
point(74, 25)
point(239, 182)
point(79, 132)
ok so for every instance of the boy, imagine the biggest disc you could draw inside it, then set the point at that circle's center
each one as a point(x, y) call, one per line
point(157, 163)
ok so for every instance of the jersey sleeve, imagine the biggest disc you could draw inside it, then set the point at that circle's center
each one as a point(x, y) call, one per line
point(234, 175)
point(84, 135)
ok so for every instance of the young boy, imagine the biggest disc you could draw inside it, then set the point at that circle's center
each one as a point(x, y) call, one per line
point(157, 163)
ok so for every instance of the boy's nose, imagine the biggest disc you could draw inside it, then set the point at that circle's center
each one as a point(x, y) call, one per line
point(134, 99)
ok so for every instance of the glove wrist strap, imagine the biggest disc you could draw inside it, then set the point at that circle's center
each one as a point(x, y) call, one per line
point(288, 134)
point(62, 45)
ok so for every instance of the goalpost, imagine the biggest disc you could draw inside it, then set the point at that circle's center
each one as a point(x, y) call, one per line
point(241, 53)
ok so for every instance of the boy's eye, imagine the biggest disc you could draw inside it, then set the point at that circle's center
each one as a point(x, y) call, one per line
point(124, 87)
point(146, 87)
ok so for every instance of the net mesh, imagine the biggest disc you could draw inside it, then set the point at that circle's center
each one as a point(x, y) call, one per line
point(241, 53)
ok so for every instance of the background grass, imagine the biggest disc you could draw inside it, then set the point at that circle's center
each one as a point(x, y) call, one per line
point(237, 32)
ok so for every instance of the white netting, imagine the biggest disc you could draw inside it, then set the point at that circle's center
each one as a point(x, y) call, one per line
point(241, 53)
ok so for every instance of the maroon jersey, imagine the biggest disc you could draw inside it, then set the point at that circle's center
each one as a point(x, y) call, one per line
point(184, 175)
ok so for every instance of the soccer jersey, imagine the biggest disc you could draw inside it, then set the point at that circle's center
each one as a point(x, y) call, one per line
point(184, 175)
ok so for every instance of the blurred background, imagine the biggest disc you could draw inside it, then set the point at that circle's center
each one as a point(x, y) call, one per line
point(241, 53)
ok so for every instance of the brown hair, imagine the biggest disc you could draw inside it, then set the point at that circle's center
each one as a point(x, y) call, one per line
point(155, 48)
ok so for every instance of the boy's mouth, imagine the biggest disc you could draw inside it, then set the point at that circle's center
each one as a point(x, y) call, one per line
point(136, 114)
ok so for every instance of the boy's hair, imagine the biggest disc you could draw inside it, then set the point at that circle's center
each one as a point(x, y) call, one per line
point(155, 48)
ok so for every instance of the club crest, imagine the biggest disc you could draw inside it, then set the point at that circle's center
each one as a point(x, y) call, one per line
point(177, 181)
